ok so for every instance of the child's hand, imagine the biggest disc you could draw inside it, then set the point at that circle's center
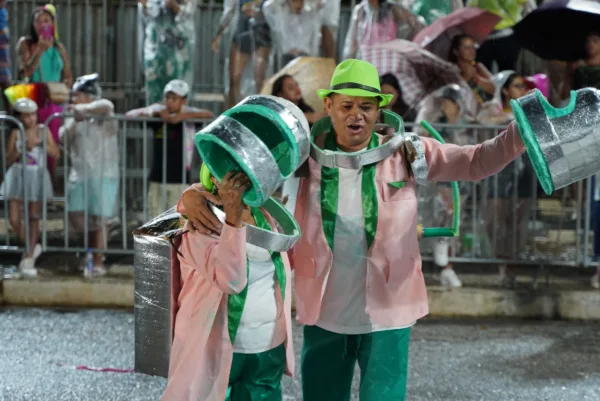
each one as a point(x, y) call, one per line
point(419, 231)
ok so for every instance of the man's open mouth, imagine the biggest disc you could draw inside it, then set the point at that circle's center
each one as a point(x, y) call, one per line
point(354, 128)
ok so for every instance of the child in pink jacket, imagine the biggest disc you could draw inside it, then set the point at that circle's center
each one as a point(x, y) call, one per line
point(232, 338)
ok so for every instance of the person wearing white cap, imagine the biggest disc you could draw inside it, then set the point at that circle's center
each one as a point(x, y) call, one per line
point(27, 180)
point(172, 173)
point(94, 171)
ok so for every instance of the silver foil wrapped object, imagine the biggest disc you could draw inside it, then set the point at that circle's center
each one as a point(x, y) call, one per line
point(154, 252)
point(267, 239)
point(356, 160)
point(563, 144)
point(266, 137)
point(418, 166)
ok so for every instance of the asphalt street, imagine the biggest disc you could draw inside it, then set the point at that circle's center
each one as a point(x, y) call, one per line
point(449, 360)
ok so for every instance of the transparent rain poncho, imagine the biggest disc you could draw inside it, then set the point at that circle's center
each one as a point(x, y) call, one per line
point(370, 26)
point(247, 43)
point(295, 34)
point(168, 44)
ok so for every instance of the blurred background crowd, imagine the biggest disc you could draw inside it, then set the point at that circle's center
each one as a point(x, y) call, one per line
point(106, 96)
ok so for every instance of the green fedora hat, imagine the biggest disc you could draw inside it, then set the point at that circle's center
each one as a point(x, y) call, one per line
point(356, 78)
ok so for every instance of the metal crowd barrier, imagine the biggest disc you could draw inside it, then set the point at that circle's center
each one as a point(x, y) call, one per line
point(545, 231)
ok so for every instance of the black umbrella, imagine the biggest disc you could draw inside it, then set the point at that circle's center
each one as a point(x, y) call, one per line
point(558, 29)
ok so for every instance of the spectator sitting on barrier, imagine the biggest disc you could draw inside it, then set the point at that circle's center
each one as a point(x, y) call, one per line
point(27, 182)
point(173, 172)
point(94, 173)
point(286, 87)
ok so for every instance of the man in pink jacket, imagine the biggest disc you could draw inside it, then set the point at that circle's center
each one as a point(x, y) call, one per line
point(358, 281)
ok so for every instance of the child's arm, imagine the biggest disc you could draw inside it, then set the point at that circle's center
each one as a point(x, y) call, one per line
point(12, 153)
point(51, 147)
point(192, 115)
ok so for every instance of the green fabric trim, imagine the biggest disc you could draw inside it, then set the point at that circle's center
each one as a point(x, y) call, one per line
point(330, 192)
point(221, 159)
point(542, 171)
point(235, 307)
point(553, 112)
point(236, 302)
point(397, 184)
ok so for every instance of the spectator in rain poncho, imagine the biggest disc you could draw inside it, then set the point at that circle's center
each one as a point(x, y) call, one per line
point(517, 178)
point(296, 27)
point(378, 21)
point(94, 173)
point(250, 43)
point(169, 40)
point(445, 106)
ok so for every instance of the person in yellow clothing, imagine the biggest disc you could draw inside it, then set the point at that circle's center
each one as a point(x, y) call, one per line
point(501, 46)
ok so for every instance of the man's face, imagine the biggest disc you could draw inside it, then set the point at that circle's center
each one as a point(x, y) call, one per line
point(174, 103)
point(353, 119)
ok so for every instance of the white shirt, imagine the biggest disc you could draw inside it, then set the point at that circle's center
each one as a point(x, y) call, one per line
point(343, 308)
point(262, 325)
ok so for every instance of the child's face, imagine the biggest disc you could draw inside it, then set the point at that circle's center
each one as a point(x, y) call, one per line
point(81, 98)
point(29, 120)
point(174, 103)
point(2, 3)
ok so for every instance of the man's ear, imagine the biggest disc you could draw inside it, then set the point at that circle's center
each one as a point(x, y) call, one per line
point(328, 104)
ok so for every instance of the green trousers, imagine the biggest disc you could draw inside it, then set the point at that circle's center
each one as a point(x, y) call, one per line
point(328, 361)
point(257, 377)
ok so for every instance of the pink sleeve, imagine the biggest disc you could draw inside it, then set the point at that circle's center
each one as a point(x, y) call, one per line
point(448, 162)
point(222, 261)
point(194, 187)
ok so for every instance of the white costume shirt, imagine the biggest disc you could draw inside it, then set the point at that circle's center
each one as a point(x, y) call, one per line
point(262, 324)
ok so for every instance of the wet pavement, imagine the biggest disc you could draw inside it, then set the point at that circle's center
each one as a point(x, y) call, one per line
point(449, 360)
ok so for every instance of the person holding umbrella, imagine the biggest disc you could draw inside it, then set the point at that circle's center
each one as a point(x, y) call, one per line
point(358, 279)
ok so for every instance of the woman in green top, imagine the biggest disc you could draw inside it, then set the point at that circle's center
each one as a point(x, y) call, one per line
point(43, 58)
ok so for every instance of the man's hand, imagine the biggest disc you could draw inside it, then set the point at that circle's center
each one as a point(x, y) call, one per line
point(419, 231)
point(231, 191)
point(199, 215)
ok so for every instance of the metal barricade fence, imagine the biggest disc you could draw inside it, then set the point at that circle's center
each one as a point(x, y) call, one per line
point(544, 233)
point(88, 184)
